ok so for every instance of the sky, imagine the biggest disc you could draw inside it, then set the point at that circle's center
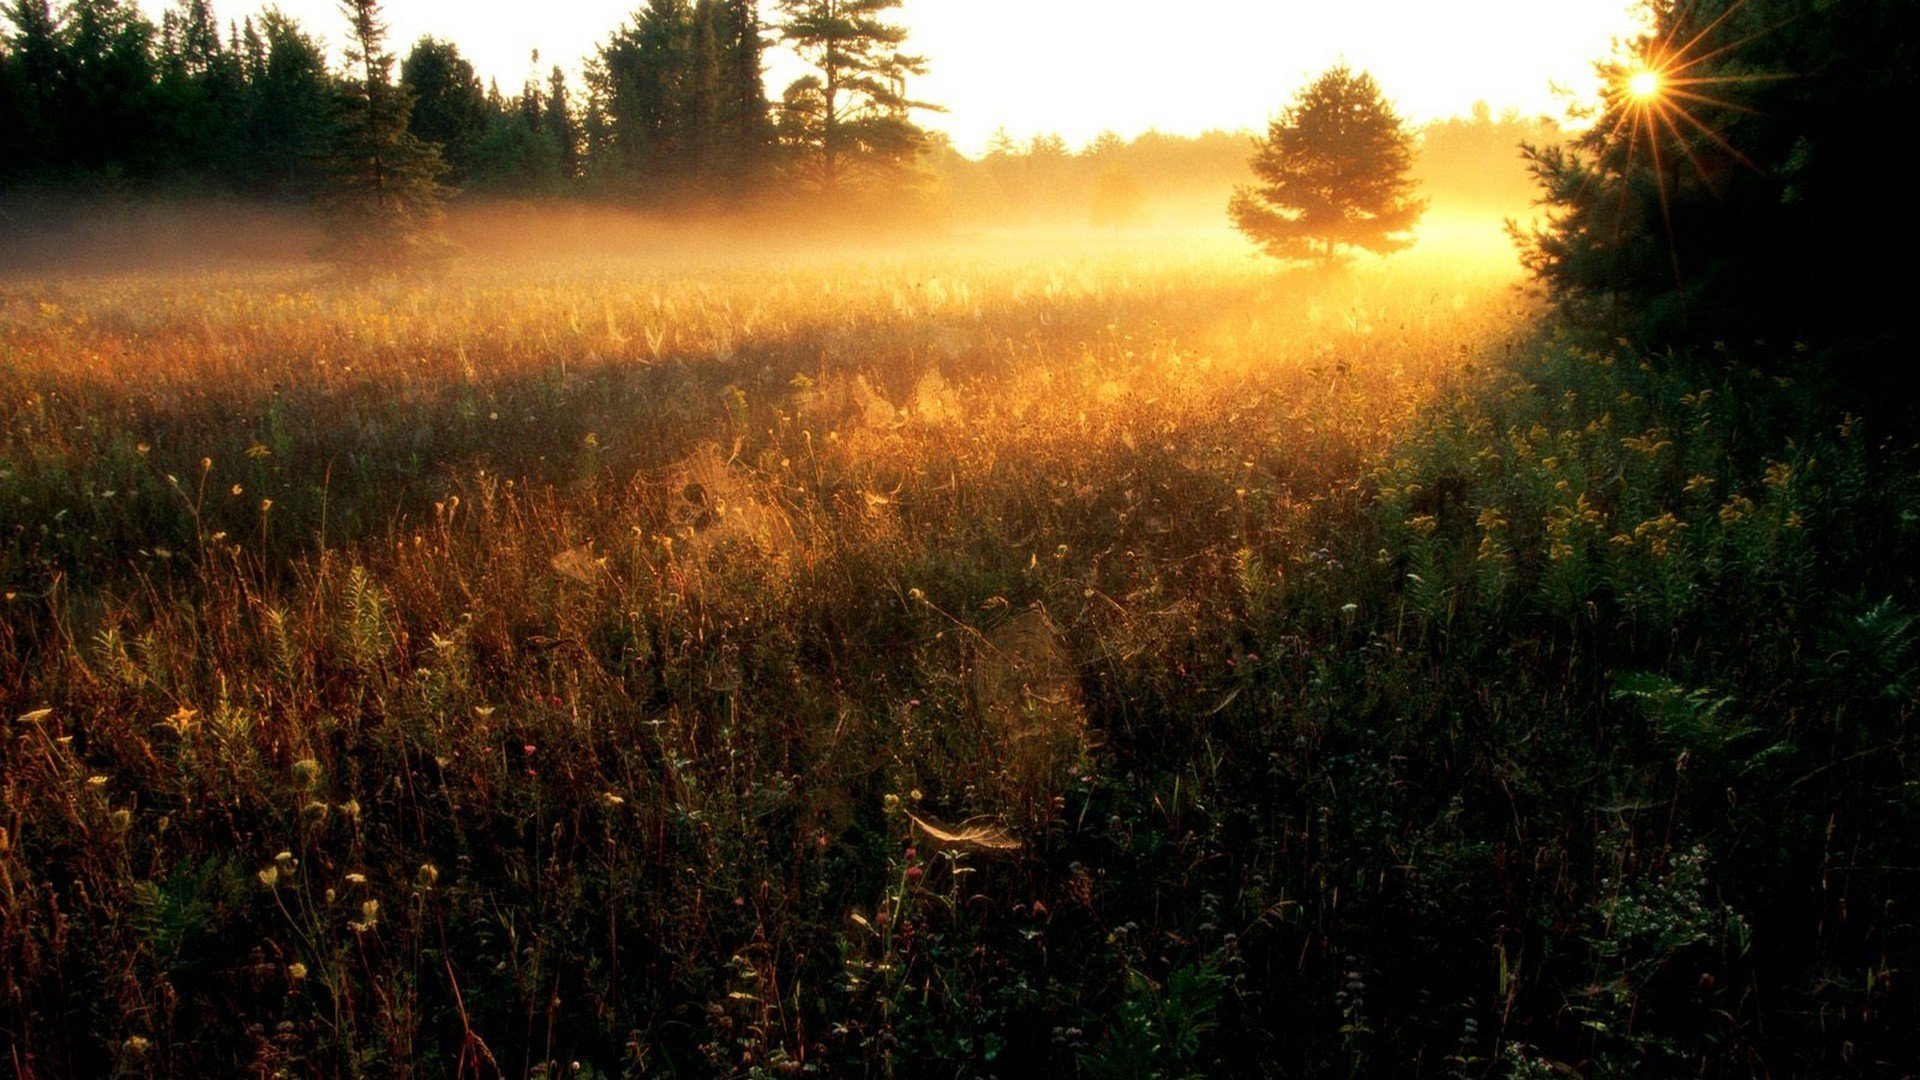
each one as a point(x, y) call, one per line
point(1078, 67)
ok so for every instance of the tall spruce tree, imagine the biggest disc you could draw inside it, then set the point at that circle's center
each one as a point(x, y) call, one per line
point(850, 123)
point(1333, 175)
point(202, 92)
point(30, 90)
point(384, 202)
point(1731, 197)
point(743, 130)
point(559, 124)
point(676, 102)
point(107, 116)
point(289, 110)
point(637, 86)
point(448, 106)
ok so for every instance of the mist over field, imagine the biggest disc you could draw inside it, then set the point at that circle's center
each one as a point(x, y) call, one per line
point(660, 574)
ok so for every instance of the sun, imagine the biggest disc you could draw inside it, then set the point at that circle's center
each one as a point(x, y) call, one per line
point(1645, 84)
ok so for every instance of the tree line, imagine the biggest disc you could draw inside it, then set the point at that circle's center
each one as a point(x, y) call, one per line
point(95, 96)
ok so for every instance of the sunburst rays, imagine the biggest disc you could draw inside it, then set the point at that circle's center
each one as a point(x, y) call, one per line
point(1661, 102)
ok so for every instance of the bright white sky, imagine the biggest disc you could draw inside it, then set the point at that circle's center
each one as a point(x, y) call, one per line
point(1077, 67)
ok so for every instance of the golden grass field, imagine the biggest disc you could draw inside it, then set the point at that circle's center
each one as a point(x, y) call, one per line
point(629, 652)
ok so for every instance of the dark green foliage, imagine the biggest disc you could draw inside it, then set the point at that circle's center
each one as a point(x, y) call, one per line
point(290, 114)
point(676, 106)
point(93, 96)
point(106, 106)
point(449, 105)
point(1333, 175)
point(383, 203)
point(1750, 201)
point(202, 91)
point(850, 124)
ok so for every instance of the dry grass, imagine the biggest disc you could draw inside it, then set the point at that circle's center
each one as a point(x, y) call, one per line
point(470, 672)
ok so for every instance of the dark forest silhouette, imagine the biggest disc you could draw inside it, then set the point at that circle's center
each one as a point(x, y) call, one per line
point(671, 110)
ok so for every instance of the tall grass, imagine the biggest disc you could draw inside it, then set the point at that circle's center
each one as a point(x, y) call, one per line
point(1126, 661)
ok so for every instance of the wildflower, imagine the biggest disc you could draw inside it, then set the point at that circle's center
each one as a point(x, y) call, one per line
point(306, 773)
point(1779, 475)
point(427, 876)
point(1736, 509)
point(296, 971)
point(269, 877)
point(96, 782)
point(1699, 483)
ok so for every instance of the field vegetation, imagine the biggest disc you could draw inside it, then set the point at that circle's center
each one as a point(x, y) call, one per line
point(1102, 654)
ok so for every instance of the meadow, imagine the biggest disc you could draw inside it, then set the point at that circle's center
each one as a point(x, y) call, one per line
point(1109, 654)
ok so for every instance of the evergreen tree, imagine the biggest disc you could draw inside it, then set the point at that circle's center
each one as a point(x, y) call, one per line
point(1333, 175)
point(558, 123)
point(449, 106)
point(30, 91)
point(851, 121)
point(202, 92)
point(742, 129)
point(1732, 197)
point(384, 200)
point(106, 114)
point(289, 108)
point(676, 102)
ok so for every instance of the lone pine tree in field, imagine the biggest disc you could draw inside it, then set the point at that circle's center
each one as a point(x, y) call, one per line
point(1333, 175)
point(852, 120)
point(384, 200)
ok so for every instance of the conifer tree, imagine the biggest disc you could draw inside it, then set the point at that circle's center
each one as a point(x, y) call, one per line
point(742, 126)
point(106, 111)
point(557, 121)
point(384, 201)
point(290, 109)
point(448, 108)
point(30, 77)
point(1731, 197)
point(851, 121)
point(1333, 175)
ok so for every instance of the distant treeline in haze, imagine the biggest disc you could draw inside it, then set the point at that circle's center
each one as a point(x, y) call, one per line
point(672, 108)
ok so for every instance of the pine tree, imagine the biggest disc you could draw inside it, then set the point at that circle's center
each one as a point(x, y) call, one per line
point(384, 202)
point(202, 92)
point(557, 121)
point(290, 109)
point(107, 116)
point(851, 122)
point(743, 130)
point(449, 108)
point(1733, 199)
point(1333, 175)
point(30, 78)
